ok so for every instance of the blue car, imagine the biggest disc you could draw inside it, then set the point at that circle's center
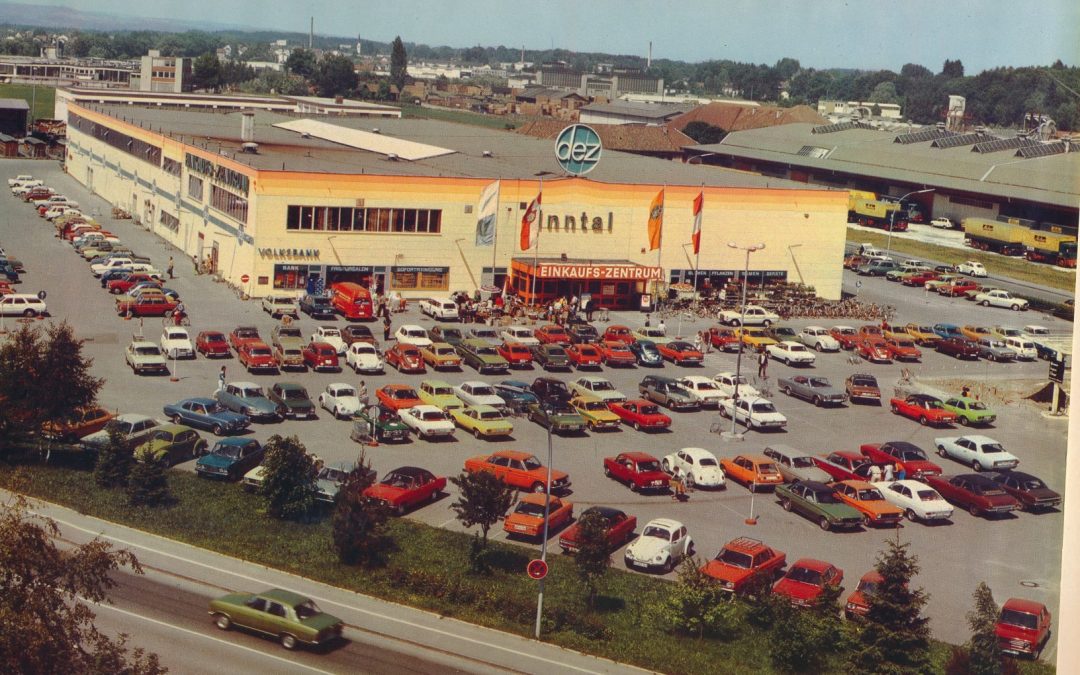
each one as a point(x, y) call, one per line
point(206, 413)
point(948, 330)
point(317, 306)
point(517, 394)
point(230, 459)
point(118, 273)
point(646, 353)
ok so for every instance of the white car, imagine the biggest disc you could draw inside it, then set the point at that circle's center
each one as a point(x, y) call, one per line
point(699, 466)
point(1023, 348)
point(981, 452)
point(726, 381)
point(662, 545)
point(943, 223)
point(753, 412)
point(362, 357)
point(277, 305)
point(704, 390)
point(1000, 298)
point(476, 393)
point(792, 353)
point(440, 308)
point(519, 334)
point(22, 304)
point(340, 399)
point(819, 339)
point(427, 421)
point(972, 268)
point(176, 343)
point(57, 211)
point(21, 178)
point(752, 316)
point(795, 464)
point(410, 334)
point(331, 336)
point(98, 269)
point(918, 500)
point(599, 387)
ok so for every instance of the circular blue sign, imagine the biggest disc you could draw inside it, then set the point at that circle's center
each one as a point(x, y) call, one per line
point(578, 149)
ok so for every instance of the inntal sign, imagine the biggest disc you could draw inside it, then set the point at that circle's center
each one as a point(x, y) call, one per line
point(612, 272)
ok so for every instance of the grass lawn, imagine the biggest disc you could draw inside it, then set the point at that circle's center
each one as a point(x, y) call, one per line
point(997, 265)
point(41, 100)
point(429, 569)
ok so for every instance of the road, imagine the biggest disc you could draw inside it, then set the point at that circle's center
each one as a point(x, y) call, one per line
point(1019, 556)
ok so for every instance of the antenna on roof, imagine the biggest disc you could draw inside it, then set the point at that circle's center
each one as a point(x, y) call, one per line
point(486, 153)
point(392, 157)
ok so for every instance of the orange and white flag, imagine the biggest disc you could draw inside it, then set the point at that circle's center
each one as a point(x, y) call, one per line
point(695, 236)
point(656, 220)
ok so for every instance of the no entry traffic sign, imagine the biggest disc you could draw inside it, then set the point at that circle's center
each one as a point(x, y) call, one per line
point(537, 569)
point(244, 278)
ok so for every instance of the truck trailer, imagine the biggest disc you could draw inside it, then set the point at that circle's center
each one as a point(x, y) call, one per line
point(994, 235)
point(1055, 248)
point(877, 213)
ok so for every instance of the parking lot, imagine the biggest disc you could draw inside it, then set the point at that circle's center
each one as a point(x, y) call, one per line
point(1018, 555)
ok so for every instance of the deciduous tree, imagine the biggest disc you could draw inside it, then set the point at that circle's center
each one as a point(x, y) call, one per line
point(696, 606)
point(703, 132)
point(206, 72)
point(594, 552)
point(288, 485)
point(336, 76)
point(484, 500)
point(399, 63)
point(804, 638)
point(301, 62)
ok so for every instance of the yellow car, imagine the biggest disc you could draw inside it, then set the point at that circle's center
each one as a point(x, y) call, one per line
point(975, 333)
point(596, 413)
point(895, 331)
point(482, 421)
point(756, 338)
point(439, 394)
point(921, 334)
point(440, 355)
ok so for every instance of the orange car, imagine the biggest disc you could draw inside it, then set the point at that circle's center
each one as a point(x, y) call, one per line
point(398, 396)
point(753, 471)
point(867, 500)
point(82, 423)
point(518, 469)
point(618, 334)
point(527, 519)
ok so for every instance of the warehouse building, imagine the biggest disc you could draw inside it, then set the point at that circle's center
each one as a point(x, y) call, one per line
point(278, 202)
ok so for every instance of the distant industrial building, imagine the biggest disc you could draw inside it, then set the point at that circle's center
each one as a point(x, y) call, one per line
point(65, 71)
point(859, 109)
point(610, 85)
point(629, 112)
point(159, 73)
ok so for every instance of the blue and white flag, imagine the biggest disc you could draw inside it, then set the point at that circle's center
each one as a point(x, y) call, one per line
point(485, 223)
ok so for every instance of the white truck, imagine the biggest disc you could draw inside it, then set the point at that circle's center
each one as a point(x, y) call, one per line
point(752, 316)
point(443, 309)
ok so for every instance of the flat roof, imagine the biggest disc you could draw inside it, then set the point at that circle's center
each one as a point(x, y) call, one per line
point(658, 111)
point(478, 152)
point(1052, 179)
point(14, 104)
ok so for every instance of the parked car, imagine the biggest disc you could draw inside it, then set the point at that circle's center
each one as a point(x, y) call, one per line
point(142, 356)
point(583, 355)
point(943, 223)
point(599, 387)
point(518, 469)
point(727, 382)
point(595, 412)
point(724, 339)
point(427, 421)
point(924, 408)
point(874, 350)
point(753, 412)
point(320, 356)
point(257, 356)
point(212, 344)
point(847, 336)
point(972, 268)
point(970, 411)
point(639, 470)
point(440, 309)
point(654, 334)
point(703, 389)
point(755, 338)
point(475, 392)
point(845, 465)
point(681, 353)
point(640, 414)
point(410, 334)
point(340, 400)
point(995, 350)
point(248, 398)
point(550, 357)
point(440, 394)
point(868, 500)
point(516, 394)
point(528, 516)
point(806, 580)
point(516, 354)
point(618, 527)
point(330, 335)
point(902, 349)
point(753, 471)
point(397, 397)
point(960, 348)
point(743, 562)
point(819, 339)
point(482, 421)
point(862, 387)
point(287, 336)
point(1031, 492)
point(1000, 298)
point(980, 495)
point(317, 306)
point(278, 305)
point(663, 544)
point(230, 459)
point(405, 358)
point(698, 466)
point(519, 334)
point(751, 315)
point(288, 617)
point(911, 457)
point(646, 353)
point(1023, 627)
point(981, 452)
point(482, 356)
point(858, 603)
point(795, 464)
point(791, 353)
point(133, 427)
point(206, 413)
point(558, 416)
point(819, 503)
point(292, 401)
point(550, 390)
point(173, 443)
point(242, 334)
point(380, 425)
point(582, 333)
point(352, 333)
point(552, 334)
point(363, 357)
point(916, 499)
point(667, 392)
point(618, 333)
point(817, 390)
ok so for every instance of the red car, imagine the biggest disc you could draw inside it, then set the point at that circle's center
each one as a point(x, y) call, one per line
point(618, 334)
point(322, 356)
point(256, 355)
point(921, 278)
point(957, 288)
point(724, 339)
point(1023, 627)
point(870, 330)
point(37, 194)
point(874, 350)
point(844, 465)
point(908, 455)
point(959, 348)
point(146, 305)
point(640, 414)
point(516, 354)
point(974, 492)
point(405, 487)
point(903, 350)
point(405, 358)
point(584, 355)
point(397, 396)
point(680, 353)
point(552, 334)
point(847, 336)
point(743, 561)
point(212, 344)
point(924, 408)
point(639, 470)
point(123, 285)
point(858, 603)
point(806, 580)
point(618, 526)
point(242, 334)
point(615, 353)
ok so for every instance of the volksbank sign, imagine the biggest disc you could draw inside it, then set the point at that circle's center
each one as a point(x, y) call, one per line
point(578, 149)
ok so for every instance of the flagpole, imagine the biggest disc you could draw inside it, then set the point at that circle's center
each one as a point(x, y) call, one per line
point(495, 235)
point(660, 242)
point(697, 253)
point(536, 247)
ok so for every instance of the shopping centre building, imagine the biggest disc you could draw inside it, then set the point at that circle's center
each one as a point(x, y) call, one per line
point(285, 202)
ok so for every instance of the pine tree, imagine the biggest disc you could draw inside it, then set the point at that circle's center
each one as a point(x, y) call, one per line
point(148, 482)
point(359, 524)
point(113, 463)
point(594, 552)
point(983, 650)
point(289, 484)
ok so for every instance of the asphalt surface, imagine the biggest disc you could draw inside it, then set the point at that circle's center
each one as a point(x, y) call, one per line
point(1018, 556)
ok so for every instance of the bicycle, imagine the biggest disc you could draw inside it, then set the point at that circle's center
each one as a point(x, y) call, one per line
point(170, 320)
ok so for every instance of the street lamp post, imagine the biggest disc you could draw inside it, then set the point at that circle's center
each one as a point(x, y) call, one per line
point(892, 216)
point(733, 435)
point(544, 540)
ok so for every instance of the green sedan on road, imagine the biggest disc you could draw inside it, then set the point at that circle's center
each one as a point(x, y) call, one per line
point(288, 617)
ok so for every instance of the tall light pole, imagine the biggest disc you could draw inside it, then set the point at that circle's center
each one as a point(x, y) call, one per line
point(733, 435)
point(544, 540)
point(892, 216)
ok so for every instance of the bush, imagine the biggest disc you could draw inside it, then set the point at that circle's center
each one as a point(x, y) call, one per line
point(148, 482)
point(113, 464)
point(696, 606)
point(288, 478)
point(360, 523)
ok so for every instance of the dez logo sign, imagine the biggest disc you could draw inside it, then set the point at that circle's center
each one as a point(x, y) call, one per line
point(578, 149)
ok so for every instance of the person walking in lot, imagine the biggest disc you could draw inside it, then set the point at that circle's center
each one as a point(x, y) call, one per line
point(221, 379)
point(386, 329)
point(890, 476)
point(678, 485)
point(763, 364)
point(875, 473)
point(169, 269)
point(362, 394)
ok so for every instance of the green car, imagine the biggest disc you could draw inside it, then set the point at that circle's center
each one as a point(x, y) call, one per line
point(819, 503)
point(173, 442)
point(292, 401)
point(481, 355)
point(439, 394)
point(970, 411)
point(382, 424)
point(482, 421)
point(288, 617)
point(559, 417)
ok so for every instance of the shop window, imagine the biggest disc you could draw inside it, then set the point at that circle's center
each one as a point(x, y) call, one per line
point(404, 280)
point(346, 219)
point(410, 220)
point(170, 221)
point(290, 277)
point(434, 281)
point(234, 206)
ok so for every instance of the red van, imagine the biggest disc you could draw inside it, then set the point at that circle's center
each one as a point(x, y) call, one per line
point(351, 301)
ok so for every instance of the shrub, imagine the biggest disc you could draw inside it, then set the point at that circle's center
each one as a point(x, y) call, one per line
point(113, 464)
point(359, 527)
point(288, 478)
point(148, 482)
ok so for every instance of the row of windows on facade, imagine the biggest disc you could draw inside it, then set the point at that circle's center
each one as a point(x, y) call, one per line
point(293, 277)
point(128, 144)
point(234, 206)
point(347, 219)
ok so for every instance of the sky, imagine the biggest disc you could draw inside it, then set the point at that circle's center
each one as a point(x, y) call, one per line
point(864, 34)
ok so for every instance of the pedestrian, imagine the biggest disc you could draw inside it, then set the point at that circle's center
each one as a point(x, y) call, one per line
point(966, 391)
point(662, 327)
point(678, 485)
point(697, 342)
point(178, 314)
point(386, 329)
point(901, 472)
point(875, 473)
point(169, 269)
point(195, 262)
point(221, 379)
point(590, 307)
point(647, 317)
point(362, 394)
point(889, 474)
point(763, 364)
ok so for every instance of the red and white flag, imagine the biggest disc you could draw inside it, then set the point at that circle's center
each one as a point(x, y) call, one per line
point(695, 236)
point(530, 229)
